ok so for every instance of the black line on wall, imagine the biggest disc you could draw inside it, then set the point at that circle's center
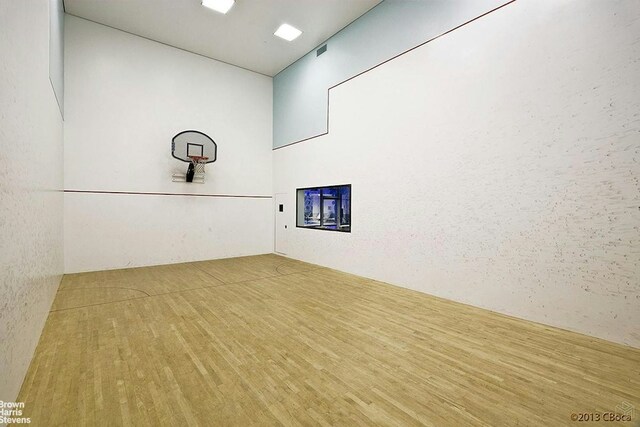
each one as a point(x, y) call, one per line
point(388, 60)
point(150, 193)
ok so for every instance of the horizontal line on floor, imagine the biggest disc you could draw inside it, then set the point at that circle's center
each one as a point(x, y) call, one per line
point(150, 193)
point(222, 284)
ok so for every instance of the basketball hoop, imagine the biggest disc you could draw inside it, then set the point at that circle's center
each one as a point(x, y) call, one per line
point(198, 163)
point(195, 148)
point(195, 171)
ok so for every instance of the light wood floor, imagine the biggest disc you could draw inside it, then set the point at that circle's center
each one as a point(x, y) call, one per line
point(270, 341)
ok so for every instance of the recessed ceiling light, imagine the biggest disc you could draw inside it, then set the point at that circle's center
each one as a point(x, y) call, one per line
point(287, 32)
point(221, 6)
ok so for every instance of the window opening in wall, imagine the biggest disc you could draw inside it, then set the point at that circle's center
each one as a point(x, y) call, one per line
point(324, 208)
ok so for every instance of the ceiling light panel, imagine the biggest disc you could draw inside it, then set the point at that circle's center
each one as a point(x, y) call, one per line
point(221, 6)
point(287, 32)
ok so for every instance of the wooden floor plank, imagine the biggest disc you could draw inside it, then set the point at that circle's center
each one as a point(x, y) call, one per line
point(270, 341)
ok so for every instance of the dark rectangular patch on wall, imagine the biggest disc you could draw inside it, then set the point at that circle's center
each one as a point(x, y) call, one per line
point(321, 50)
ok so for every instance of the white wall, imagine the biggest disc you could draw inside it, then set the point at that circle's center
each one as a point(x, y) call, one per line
point(30, 187)
point(125, 98)
point(56, 50)
point(496, 166)
point(300, 90)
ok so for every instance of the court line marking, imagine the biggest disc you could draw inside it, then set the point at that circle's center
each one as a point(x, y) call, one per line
point(73, 288)
point(183, 290)
point(153, 193)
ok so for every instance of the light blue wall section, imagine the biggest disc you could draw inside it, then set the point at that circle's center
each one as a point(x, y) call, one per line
point(56, 50)
point(300, 91)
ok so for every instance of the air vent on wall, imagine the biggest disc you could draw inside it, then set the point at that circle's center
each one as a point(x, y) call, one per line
point(321, 50)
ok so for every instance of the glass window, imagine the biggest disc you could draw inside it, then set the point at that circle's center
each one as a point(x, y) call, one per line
point(312, 207)
point(330, 192)
point(325, 208)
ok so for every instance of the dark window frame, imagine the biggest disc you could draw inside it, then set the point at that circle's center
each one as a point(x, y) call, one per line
point(320, 188)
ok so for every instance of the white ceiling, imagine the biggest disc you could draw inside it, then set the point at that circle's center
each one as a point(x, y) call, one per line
point(243, 37)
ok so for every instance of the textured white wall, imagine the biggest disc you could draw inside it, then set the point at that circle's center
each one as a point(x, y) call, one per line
point(30, 187)
point(125, 98)
point(497, 166)
point(164, 228)
point(56, 50)
point(300, 90)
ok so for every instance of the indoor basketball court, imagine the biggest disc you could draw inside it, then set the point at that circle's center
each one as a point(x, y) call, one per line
point(350, 213)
